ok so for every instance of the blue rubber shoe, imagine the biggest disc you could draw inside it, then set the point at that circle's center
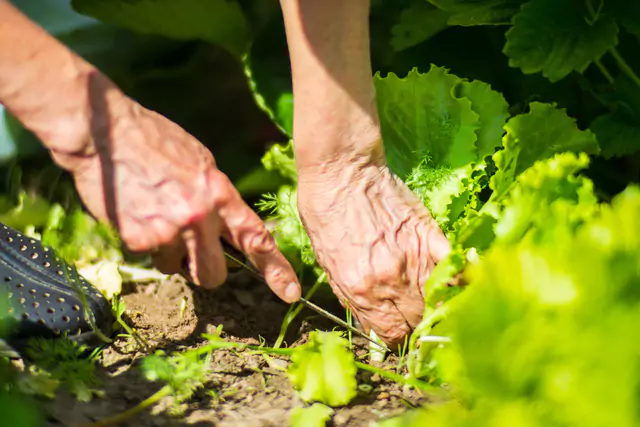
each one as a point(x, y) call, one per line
point(44, 297)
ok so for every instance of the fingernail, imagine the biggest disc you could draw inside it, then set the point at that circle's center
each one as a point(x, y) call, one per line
point(292, 292)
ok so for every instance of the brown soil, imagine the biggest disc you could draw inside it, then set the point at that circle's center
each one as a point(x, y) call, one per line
point(172, 316)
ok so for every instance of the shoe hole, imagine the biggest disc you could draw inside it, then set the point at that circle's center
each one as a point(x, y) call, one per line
point(65, 318)
point(41, 322)
point(20, 285)
point(76, 308)
point(10, 239)
point(32, 241)
point(7, 278)
point(50, 310)
point(36, 304)
point(60, 273)
point(46, 295)
point(23, 248)
point(32, 291)
point(60, 299)
point(56, 331)
point(10, 310)
point(46, 249)
point(47, 264)
point(34, 255)
point(22, 300)
point(25, 315)
point(10, 295)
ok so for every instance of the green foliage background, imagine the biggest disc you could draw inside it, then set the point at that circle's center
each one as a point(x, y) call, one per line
point(516, 121)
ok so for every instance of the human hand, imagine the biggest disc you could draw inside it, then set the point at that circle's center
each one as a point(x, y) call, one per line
point(162, 190)
point(376, 241)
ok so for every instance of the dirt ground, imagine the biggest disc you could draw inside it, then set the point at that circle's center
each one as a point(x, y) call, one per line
point(172, 316)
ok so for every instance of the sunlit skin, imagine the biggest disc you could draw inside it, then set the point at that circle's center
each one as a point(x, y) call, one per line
point(163, 191)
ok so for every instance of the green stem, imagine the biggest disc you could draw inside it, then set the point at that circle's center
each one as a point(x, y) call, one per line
point(624, 66)
point(293, 312)
point(607, 75)
point(148, 402)
point(393, 376)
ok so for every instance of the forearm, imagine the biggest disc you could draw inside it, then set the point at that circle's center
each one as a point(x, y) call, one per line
point(335, 110)
point(49, 89)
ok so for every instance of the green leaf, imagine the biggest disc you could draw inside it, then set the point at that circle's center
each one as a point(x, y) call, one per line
point(421, 117)
point(315, 415)
point(280, 159)
point(557, 38)
point(537, 135)
point(618, 135)
point(324, 370)
point(543, 191)
point(627, 12)
point(221, 22)
point(479, 12)
point(268, 72)
point(419, 22)
point(492, 110)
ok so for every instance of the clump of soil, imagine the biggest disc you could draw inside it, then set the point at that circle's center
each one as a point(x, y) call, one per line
point(242, 390)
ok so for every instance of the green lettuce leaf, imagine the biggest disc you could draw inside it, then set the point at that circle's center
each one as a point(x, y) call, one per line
point(221, 22)
point(315, 415)
point(557, 38)
point(537, 135)
point(324, 370)
point(422, 117)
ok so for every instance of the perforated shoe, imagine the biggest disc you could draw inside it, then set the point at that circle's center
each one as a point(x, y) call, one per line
point(44, 297)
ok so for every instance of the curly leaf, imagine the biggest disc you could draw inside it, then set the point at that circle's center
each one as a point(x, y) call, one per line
point(556, 38)
point(217, 21)
point(324, 370)
point(421, 117)
point(538, 135)
point(492, 110)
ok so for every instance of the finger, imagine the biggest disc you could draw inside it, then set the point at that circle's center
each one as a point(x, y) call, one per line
point(387, 322)
point(168, 259)
point(438, 244)
point(206, 263)
point(248, 233)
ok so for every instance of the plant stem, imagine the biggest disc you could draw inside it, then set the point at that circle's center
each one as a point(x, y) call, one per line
point(624, 66)
point(393, 376)
point(607, 75)
point(293, 312)
point(148, 402)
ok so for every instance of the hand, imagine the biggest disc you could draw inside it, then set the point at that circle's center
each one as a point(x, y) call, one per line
point(376, 241)
point(162, 190)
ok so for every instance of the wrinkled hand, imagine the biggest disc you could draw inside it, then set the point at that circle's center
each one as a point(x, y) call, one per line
point(161, 188)
point(376, 241)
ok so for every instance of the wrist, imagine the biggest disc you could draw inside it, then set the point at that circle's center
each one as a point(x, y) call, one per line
point(52, 91)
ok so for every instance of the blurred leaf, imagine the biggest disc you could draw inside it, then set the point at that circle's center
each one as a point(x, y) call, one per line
point(315, 415)
point(556, 38)
point(324, 370)
point(617, 134)
point(221, 22)
point(479, 12)
point(419, 22)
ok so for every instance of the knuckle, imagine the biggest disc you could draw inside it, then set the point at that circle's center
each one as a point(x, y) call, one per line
point(222, 189)
point(261, 242)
